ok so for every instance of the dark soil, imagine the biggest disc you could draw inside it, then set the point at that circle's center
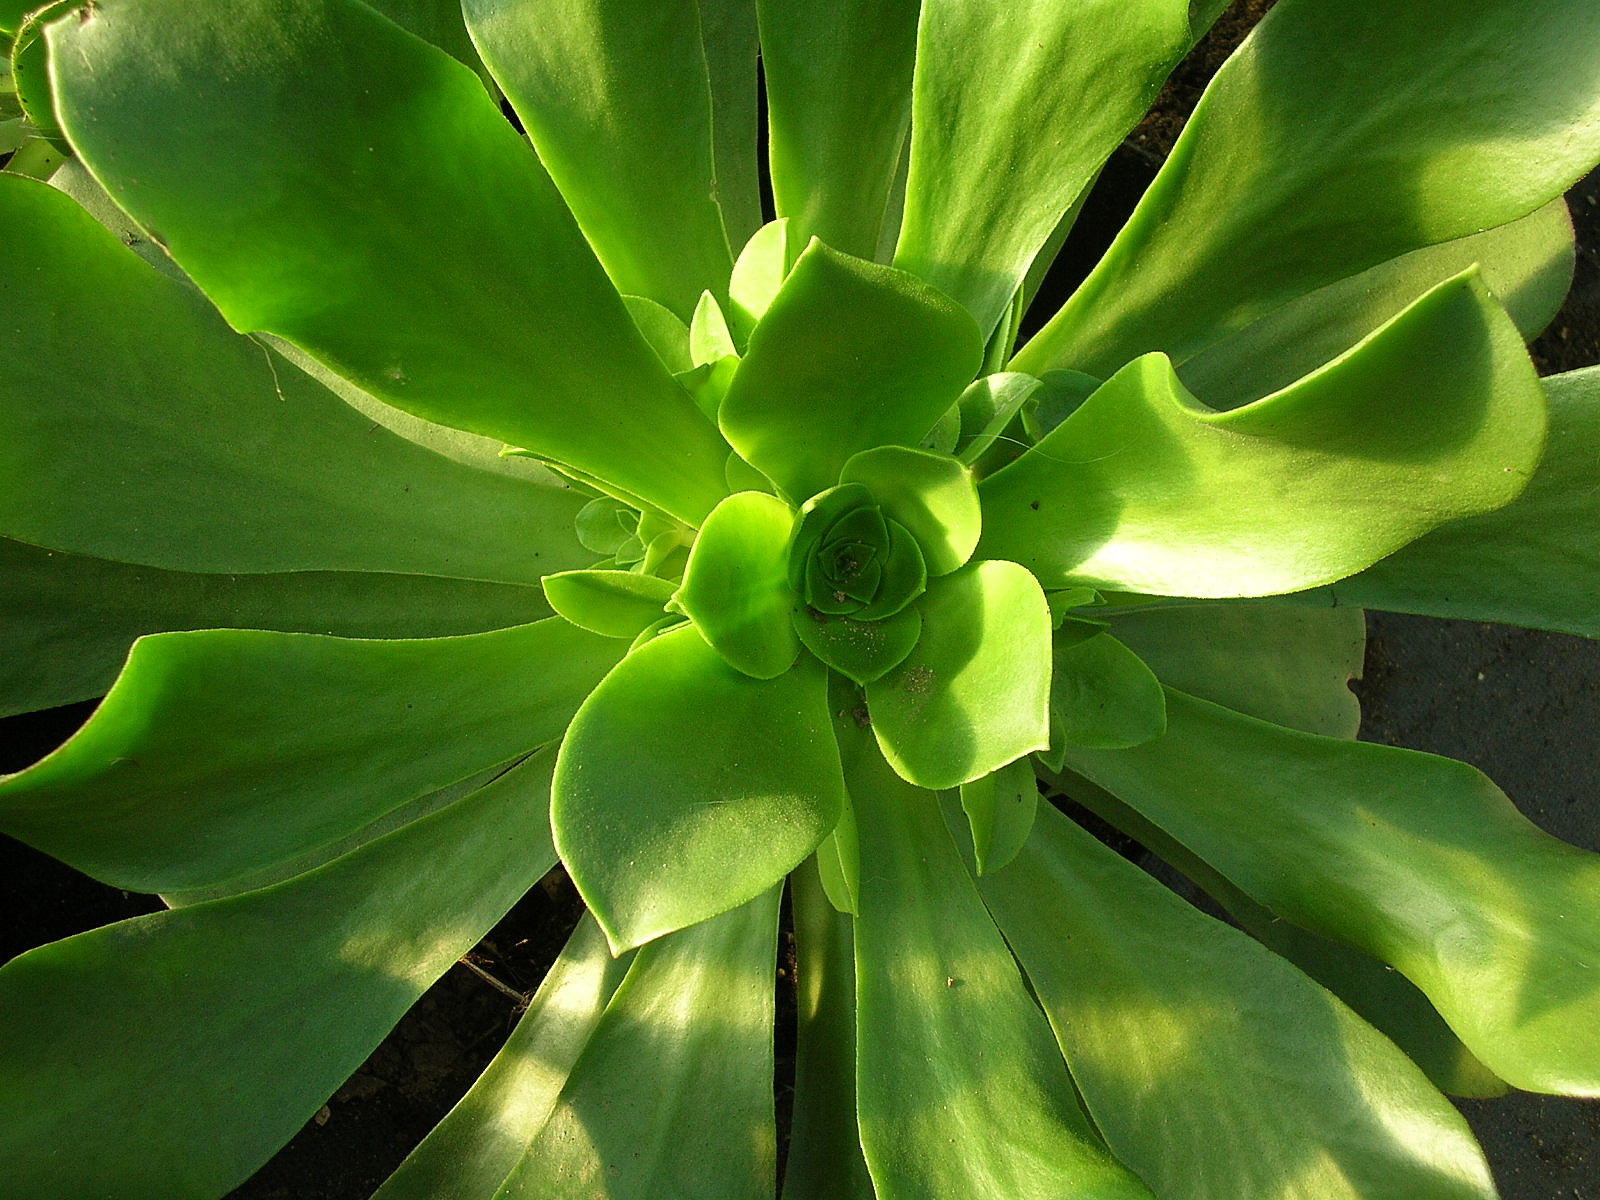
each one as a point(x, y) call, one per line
point(1523, 706)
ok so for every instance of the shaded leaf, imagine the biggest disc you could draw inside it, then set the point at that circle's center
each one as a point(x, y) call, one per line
point(613, 603)
point(932, 495)
point(1000, 810)
point(1101, 694)
point(225, 1074)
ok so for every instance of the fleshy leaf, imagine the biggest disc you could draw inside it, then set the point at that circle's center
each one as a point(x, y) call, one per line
point(1453, 125)
point(468, 1155)
point(838, 76)
point(850, 355)
point(1211, 1066)
point(728, 30)
point(233, 1021)
point(131, 444)
point(222, 752)
point(613, 603)
point(986, 408)
point(758, 274)
point(1000, 810)
point(1437, 415)
point(475, 302)
point(1288, 665)
point(1418, 860)
point(617, 101)
point(824, 1161)
point(1011, 122)
point(1526, 265)
point(684, 788)
point(860, 650)
point(932, 495)
point(69, 620)
point(1531, 563)
point(736, 589)
point(974, 693)
point(710, 340)
point(664, 330)
point(934, 979)
point(1101, 695)
point(676, 1076)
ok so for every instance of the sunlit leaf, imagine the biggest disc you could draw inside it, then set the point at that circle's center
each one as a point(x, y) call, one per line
point(736, 588)
point(222, 752)
point(474, 301)
point(1435, 416)
point(613, 603)
point(684, 788)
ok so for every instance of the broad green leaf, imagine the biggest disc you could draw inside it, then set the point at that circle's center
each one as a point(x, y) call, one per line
point(613, 603)
point(824, 1161)
point(1526, 265)
point(932, 495)
point(1435, 416)
point(1010, 123)
point(1211, 1066)
point(685, 788)
point(13, 12)
point(850, 355)
point(1419, 861)
point(617, 101)
point(728, 31)
point(664, 330)
point(231, 1022)
point(69, 620)
point(1531, 563)
point(29, 70)
point(672, 1094)
point(218, 753)
point(1291, 666)
point(133, 414)
point(710, 340)
point(935, 985)
point(436, 21)
point(758, 274)
point(860, 650)
point(974, 693)
point(736, 587)
point(481, 1140)
point(987, 407)
point(838, 81)
point(1377, 992)
point(474, 302)
point(1000, 810)
point(1101, 694)
point(1340, 135)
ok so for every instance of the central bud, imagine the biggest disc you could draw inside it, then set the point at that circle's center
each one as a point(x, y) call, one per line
point(847, 559)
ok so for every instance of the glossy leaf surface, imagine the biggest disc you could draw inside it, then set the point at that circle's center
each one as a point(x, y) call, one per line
point(671, 1095)
point(1011, 121)
point(617, 101)
point(468, 1155)
point(1461, 118)
point(224, 1074)
point(838, 76)
point(474, 302)
point(860, 650)
point(685, 788)
point(851, 355)
point(1529, 563)
point(129, 442)
point(934, 980)
point(728, 31)
point(973, 695)
point(736, 588)
point(1212, 1067)
point(1418, 860)
point(222, 752)
point(612, 603)
point(1145, 489)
